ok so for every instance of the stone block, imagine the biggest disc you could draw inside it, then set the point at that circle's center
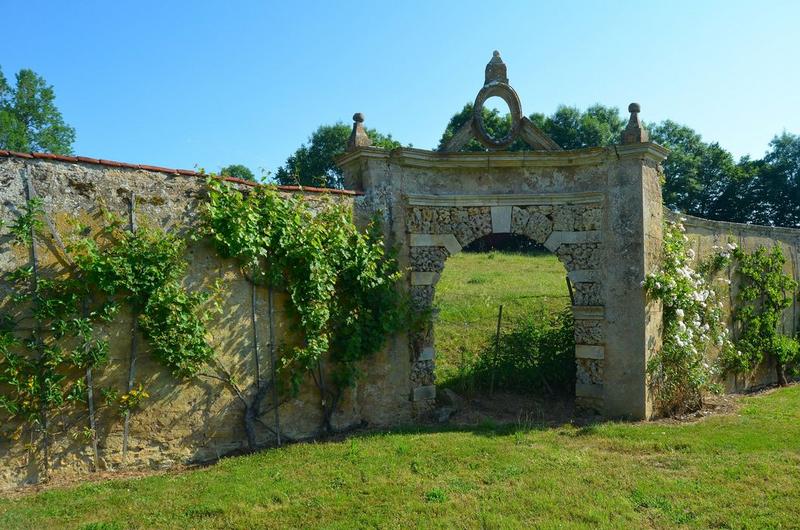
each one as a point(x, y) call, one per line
point(588, 390)
point(447, 241)
point(424, 393)
point(589, 351)
point(424, 278)
point(427, 354)
point(501, 219)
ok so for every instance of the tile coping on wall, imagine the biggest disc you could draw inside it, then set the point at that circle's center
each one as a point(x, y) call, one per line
point(172, 171)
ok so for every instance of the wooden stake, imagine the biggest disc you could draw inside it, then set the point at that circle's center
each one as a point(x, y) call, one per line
point(134, 331)
point(272, 362)
point(496, 349)
point(30, 194)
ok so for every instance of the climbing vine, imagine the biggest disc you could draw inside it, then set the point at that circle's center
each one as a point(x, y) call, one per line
point(764, 292)
point(340, 281)
point(144, 269)
point(680, 373)
point(49, 339)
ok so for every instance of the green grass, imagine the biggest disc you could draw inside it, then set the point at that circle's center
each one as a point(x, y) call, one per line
point(469, 292)
point(734, 471)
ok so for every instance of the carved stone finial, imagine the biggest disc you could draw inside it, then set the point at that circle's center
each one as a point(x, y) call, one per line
point(496, 71)
point(358, 138)
point(634, 132)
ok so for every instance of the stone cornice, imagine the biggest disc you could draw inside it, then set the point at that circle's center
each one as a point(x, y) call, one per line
point(586, 197)
point(409, 156)
point(647, 150)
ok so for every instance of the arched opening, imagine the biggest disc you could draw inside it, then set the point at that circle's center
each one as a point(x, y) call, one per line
point(503, 329)
point(438, 233)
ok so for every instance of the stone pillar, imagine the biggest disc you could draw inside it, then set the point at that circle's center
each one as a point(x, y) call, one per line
point(633, 244)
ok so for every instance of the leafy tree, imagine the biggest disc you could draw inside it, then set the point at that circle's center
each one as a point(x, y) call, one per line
point(29, 118)
point(568, 127)
point(778, 183)
point(572, 129)
point(702, 178)
point(238, 171)
point(313, 163)
point(496, 125)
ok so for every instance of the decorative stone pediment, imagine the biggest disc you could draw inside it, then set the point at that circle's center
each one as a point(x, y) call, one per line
point(496, 85)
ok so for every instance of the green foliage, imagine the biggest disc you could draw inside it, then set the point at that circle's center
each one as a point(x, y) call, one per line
point(703, 179)
point(496, 125)
point(572, 129)
point(536, 356)
point(700, 178)
point(568, 127)
point(339, 280)
point(238, 171)
point(764, 292)
point(693, 327)
point(28, 224)
point(468, 293)
point(313, 164)
point(29, 118)
point(46, 336)
point(774, 196)
point(47, 333)
point(144, 269)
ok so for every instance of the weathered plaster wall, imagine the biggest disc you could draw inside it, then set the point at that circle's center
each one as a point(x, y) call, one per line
point(704, 235)
point(597, 209)
point(182, 421)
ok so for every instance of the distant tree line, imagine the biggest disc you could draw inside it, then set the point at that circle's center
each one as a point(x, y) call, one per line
point(700, 178)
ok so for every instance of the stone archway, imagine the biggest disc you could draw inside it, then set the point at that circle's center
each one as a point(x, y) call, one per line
point(598, 209)
point(568, 225)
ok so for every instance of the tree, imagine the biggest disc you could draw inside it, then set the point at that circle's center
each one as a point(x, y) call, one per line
point(313, 164)
point(496, 125)
point(703, 179)
point(568, 127)
point(779, 182)
point(238, 171)
point(29, 118)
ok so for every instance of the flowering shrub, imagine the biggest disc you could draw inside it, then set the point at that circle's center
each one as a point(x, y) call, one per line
point(680, 373)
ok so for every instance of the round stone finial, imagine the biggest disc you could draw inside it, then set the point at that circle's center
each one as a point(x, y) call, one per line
point(358, 117)
point(634, 107)
point(495, 53)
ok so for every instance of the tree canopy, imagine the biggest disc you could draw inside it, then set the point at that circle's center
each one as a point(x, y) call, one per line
point(238, 171)
point(312, 164)
point(567, 126)
point(29, 118)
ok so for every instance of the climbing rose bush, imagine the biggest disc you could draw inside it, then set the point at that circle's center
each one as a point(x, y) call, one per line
point(680, 373)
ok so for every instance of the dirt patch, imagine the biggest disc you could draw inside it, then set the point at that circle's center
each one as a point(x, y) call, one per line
point(99, 476)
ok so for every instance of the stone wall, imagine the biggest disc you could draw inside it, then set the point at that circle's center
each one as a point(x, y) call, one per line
point(182, 421)
point(706, 237)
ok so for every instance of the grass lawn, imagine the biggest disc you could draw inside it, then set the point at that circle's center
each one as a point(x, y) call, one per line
point(469, 292)
point(740, 470)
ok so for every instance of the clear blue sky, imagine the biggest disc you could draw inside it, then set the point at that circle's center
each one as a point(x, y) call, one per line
point(214, 83)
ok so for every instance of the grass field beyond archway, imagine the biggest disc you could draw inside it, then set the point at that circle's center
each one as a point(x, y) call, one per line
point(472, 287)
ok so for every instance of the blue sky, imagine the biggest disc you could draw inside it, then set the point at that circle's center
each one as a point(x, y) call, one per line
point(214, 83)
